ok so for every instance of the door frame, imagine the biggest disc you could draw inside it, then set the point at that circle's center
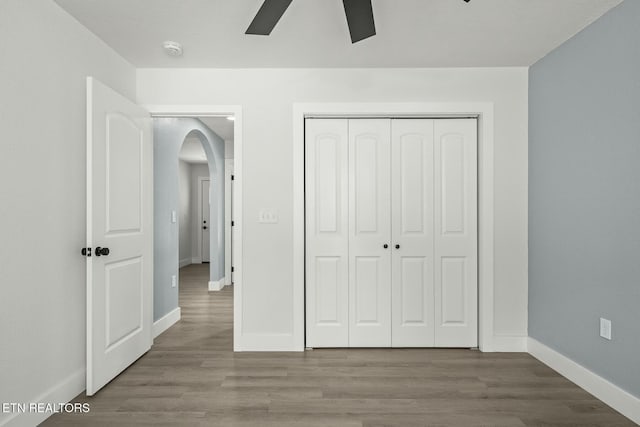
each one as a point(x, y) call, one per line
point(200, 218)
point(228, 218)
point(483, 112)
point(196, 111)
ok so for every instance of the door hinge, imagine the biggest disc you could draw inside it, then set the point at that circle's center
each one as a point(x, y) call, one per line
point(86, 252)
point(232, 223)
point(232, 269)
point(232, 177)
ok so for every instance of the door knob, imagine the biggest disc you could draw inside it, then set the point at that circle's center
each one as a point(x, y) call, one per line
point(204, 228)
point(102, 251)
point(385, 246)
point(397, 246)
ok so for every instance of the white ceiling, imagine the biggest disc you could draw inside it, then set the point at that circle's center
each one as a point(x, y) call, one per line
point(220, 125)
point(313, 33)
point(192, 151)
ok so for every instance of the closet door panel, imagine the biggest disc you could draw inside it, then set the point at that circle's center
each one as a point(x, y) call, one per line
point(370, 230)
point(327, 239)
point(456, 241)
point(412, 229)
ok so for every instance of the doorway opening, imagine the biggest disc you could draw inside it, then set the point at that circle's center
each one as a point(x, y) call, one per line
point(192, 226)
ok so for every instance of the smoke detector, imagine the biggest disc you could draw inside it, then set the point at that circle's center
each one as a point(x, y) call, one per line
point(172, 48)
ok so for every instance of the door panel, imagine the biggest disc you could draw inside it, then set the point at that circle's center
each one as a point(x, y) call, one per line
point(370, 230)
point(327, 239)
point(367, 292)
point(412, 219)
point(120, 218)
point(124, 145)
point(456, 274)
point(453, 183)
point(454, 309)
point(121, 285)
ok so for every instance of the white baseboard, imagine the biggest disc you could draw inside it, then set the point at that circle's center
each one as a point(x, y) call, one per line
point(63, 392)
point(217, 285)
point(166, 321)
point(196, 260)
point(619, 399)
point(509, 344)
point(266, 342)
point(185, 262)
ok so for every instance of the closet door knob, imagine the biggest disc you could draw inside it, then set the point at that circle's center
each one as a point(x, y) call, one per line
point(385, 246)
point(397, 246)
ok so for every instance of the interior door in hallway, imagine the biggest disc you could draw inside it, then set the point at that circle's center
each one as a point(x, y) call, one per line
point(204, 219)
point(119, 233)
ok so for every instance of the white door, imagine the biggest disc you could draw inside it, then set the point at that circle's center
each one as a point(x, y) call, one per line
point(327, 239)
point(205, 220)
point(120, 232)
point(412, 178)
point(399, 201)
point(456, 233)
point(370, 231)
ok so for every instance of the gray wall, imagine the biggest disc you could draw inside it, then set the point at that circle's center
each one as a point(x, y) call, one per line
point(185, 212)
point(584, 197)
point(169, 134)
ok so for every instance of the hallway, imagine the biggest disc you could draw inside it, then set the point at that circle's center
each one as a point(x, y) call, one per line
point(191, 377)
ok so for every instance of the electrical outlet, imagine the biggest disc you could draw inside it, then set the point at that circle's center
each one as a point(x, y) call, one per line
point(174, 281)
point(605, 328)
point(174, 217)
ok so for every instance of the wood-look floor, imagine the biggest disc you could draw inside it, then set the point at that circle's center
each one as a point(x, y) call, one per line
point(191, 377)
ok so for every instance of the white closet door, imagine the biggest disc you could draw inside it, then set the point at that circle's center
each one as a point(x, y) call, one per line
point(370, 230)
point(456, 260)
point(412, 178)
point(327, 238)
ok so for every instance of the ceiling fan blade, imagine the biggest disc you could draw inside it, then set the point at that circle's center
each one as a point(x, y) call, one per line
point(360, 19)
point(268, 16)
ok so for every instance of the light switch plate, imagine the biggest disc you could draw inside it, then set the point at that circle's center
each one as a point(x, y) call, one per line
point(268, 216)
point(174, 281)
point(605, 328)
point(174, 217)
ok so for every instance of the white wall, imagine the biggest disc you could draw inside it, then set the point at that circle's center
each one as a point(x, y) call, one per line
point(267, 95)
point(185, 213)
point(46, 56)
point(228, 149)
point(197, 171)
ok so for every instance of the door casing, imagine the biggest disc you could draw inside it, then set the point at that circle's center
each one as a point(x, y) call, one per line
point(483, 112)
point(221, 111)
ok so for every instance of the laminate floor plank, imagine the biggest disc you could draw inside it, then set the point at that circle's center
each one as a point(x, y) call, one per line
point(191, 377)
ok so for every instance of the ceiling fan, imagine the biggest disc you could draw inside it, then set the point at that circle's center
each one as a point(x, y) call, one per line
point(359, 18)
